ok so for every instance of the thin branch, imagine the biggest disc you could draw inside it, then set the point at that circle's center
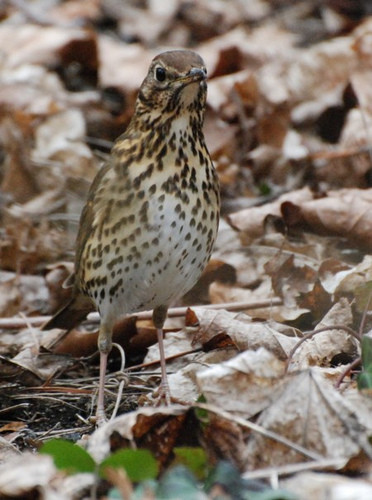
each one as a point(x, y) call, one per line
point(156, 362)
point(339, 153)
point(16, 322)
point(285, 470)
point(309, 335)
point(347, 370)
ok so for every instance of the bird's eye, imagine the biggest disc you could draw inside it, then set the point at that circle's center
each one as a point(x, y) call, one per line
point(160, 74)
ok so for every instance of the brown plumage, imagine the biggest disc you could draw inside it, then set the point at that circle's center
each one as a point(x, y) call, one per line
point(151, 218)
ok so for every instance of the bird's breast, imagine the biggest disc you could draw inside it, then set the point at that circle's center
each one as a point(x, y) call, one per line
point(152, 234)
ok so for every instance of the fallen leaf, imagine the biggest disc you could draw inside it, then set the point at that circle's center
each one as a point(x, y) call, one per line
point(245, 384)
point(345, 213)
point(327, 485)
point(156, 429)
point(321, 348)
point(244, 332)
point(37, 472)
point(251, 220)
point(310, 412)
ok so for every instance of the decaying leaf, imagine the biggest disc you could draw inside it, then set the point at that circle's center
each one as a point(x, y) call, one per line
point(244, 332)
point(38, 472)
point(310, 412)
point(251, 220)
point(345, 213)
point(244, 385)
point(322, 348)
point(336, 486)
point(154, 428)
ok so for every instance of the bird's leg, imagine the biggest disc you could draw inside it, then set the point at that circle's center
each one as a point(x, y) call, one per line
point(159, 316)
point(104, 346)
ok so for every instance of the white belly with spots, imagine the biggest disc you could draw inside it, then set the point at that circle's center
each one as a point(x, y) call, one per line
point(171, 256)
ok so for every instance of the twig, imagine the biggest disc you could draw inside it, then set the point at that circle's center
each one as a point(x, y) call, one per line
point(122, 382)
point(44, 435)
point(339, 153)
point(285, 470)
point(347, 370)
point(168, 358)
point(358, 360)
point(15, 323)
point(260, 430)
point(309, 335)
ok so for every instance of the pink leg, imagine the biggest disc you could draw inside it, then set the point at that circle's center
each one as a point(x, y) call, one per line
point(158, 317)
point(104, 346)
point(100, 413)
point(164, 387)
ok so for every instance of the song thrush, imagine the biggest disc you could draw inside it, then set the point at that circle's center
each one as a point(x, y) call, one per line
point(151, 218)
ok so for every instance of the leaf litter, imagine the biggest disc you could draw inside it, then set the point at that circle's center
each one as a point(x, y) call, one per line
point(287, 125)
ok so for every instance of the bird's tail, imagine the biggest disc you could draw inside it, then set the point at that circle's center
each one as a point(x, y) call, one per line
point(73, 313)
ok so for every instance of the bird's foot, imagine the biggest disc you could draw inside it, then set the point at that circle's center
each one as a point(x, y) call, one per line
point(100, 418)
point(163, 395)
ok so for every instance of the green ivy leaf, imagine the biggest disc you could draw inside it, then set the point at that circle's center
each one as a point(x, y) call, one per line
point(138, 464)
point(365, 381)
point(264, 189)
point(68, 456)
point(365, 377)
point(367, 353)
point(202, 415)
point(193, 458)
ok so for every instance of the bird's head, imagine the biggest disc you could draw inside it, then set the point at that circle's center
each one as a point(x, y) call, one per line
point(175, 83)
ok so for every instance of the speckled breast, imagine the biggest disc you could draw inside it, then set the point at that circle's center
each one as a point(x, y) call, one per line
point(152, 233)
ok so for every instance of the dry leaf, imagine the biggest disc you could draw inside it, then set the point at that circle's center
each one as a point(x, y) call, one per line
point(118, 61)
point(345, 213)
point(312, 413)
point(244, 385)
point(174, 343)
point(251, 220)
point(183, 382)
point(37, 472)
point(10, 297)
point(33, 44)
point(329, 486)
point(59, 139)
point(244, 332)
point(321, 348)
point(225, 440)
point(153, 428)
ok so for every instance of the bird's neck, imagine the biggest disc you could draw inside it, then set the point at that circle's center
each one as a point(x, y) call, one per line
point(147, 121)
point(150, 131)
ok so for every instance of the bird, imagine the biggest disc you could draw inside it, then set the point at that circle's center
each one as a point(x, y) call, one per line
point(150, 221)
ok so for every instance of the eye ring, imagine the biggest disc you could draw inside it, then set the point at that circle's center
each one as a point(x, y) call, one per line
point(160, 74)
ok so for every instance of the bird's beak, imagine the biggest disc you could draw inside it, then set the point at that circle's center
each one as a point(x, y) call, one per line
point(194, 75)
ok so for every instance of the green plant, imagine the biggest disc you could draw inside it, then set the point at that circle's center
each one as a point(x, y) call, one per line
point(365, 377)
point(190, 477)
point(138, 464)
